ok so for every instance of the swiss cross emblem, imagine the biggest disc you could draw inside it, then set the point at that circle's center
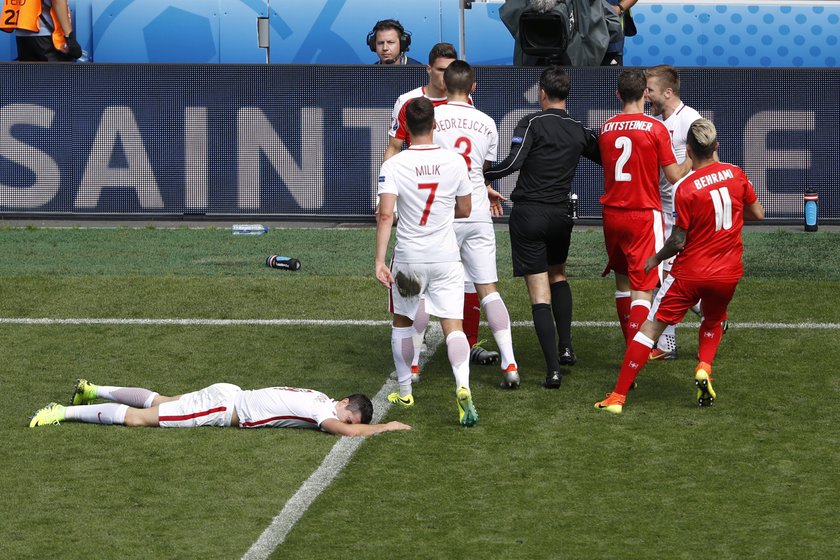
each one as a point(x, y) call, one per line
point(634, 326)
point(633, 365)
point(709, 334)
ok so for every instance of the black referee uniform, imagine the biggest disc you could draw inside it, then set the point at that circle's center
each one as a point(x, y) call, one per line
point(545, 148)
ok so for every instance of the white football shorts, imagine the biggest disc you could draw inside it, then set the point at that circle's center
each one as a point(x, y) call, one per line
point(477, 241)
point(211, 406)
point(442, 284)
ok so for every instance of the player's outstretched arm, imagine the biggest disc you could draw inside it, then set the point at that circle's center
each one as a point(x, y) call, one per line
point(339, 428)
point(496, 200)
point(754, 212)
point(463, 206)
point(674, 172)
point(385, 219)
point(673, 245)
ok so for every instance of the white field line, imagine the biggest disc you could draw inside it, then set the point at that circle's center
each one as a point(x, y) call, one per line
point(330, 467)
point(359, 323)
point(341, 453)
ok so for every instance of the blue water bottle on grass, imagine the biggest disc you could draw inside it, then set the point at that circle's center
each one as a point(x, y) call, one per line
point(811, 207)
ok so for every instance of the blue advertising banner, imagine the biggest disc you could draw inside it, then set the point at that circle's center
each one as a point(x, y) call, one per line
point(308, 140)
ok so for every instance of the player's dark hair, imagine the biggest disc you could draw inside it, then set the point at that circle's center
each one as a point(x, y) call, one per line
point(555, 83)
point(459, 77)
point(631, 85)
point(442, 50)
point(702, 137)
point(361, 404)
point(667, 75)
point(419, 116)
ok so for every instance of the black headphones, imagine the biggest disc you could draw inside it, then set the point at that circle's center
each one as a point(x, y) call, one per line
point(405, 36)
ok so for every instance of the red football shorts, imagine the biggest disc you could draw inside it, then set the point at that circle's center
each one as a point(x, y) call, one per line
point(677, 296)
point(631, 236)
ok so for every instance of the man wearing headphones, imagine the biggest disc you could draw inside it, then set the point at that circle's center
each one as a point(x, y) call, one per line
point(390, 41)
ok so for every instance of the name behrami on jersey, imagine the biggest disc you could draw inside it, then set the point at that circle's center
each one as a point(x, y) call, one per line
point(710, 204)
point(467, 131)
point(426, 179)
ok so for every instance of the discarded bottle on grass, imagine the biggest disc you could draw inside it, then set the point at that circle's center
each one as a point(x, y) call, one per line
point(811, 200)
point(249, 229)
point(284, 263)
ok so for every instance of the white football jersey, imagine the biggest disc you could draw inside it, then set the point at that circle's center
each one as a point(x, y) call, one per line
point(426, 179)
point(398, 129)
point(283, 407)
point(467, 131)
point(677, 124)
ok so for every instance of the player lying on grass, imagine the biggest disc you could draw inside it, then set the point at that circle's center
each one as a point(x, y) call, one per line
point(222, 404)
point(711, 204)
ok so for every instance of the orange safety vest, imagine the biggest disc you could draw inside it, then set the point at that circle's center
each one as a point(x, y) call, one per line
point(26, 14)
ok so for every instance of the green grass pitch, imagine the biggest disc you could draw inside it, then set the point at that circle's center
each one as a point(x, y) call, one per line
point(543, 475)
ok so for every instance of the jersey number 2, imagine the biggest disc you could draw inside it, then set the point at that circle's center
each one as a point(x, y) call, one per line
point(723, 208)
point(432, 189)
point(626, 146)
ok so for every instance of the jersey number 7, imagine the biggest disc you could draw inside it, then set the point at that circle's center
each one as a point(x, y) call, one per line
point(432, 189)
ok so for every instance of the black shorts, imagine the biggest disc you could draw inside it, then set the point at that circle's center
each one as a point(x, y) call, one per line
point(539, 236)
point(39, 48)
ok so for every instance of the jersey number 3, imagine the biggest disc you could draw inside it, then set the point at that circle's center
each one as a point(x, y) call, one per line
point(431, 198)
point(464, 147)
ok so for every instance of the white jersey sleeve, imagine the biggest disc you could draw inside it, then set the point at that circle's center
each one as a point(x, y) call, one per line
point(426, 179)
point(397, 128)
point(284, 407)
point(677, 124)
point(465, 130)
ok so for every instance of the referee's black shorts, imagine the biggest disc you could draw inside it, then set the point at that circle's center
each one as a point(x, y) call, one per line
point(539, 236)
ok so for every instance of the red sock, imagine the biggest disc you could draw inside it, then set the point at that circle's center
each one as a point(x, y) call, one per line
point(622, 306)
point(638, 314)
point(710, 335)
point(635, 358)
point(472, 315)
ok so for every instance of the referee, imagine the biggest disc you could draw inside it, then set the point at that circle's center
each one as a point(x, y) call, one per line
point(545, 148)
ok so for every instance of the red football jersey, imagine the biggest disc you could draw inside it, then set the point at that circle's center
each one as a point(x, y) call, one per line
point(633, 148)
point(709, 205)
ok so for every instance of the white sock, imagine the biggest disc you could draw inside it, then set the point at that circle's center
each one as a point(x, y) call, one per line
point(697, 309)
point(668, 339)
point(108, 413)
point(136, 397)
point(402, 349)
point(421, 321)
point(458, 350)
point(499, 320)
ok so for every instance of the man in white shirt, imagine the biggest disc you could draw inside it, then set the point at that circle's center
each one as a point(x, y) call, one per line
point(429, 187)
point(663, 94)
point(462, 128)
point(221, 404)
